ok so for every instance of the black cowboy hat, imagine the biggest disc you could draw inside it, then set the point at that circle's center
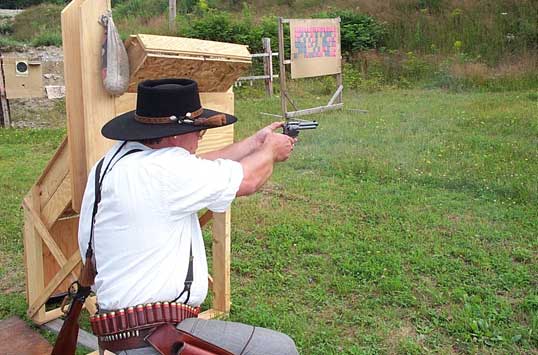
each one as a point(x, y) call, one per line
point(165, 107)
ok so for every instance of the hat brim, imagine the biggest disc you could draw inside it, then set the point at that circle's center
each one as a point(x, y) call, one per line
point(126, 128)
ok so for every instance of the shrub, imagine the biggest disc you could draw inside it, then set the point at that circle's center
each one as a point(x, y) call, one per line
point(47, 39)
point(358, 31)
point(21, 4)
point(37, 20)
point(144, 9)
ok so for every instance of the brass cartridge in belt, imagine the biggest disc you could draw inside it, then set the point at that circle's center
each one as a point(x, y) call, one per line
point(150, 317)
point(122, 320)
point(131, 317)
point(158, 312)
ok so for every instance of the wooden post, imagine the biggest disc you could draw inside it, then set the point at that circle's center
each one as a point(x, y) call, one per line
point(268, 65)
point(5, 120)
point(339, 80)
point(172, 11)
point(281, 58)
point(221, 261)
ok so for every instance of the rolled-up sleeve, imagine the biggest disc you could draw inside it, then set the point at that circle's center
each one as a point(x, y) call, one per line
point(192, 184)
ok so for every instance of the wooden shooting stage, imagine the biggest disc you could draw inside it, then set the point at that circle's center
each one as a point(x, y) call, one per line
point(51, 207)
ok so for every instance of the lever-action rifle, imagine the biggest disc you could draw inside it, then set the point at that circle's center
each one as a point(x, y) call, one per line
point(292, 128)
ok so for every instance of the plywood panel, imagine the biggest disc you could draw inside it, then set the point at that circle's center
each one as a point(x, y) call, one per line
point(125, 103)
point(64, 232)
point(211, 75)
point(74, 100)
point(217, 138)
point(99, 106)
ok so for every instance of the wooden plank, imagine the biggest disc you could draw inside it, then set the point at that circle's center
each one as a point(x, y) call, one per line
point(5, 119)
point(340, 83)
point(84, 338)
point(64, 232)
point(172, 12)
point(58, 203)
point(33, 255)
point(310, 111)
point(45, 235)
point(40, 300)
point(53, 174)
point(268, 66)
point(336, 95)
point(99, 106)
point(283, 89)
point(211, 313)
point(194, 46)
point(74, 100)
point(205, 218)
point(221, 261)
point(91, 305)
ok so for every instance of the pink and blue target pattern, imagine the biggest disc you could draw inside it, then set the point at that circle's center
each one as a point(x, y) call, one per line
point(315, 42)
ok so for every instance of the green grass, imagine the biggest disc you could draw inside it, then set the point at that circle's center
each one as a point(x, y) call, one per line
point(408, 230)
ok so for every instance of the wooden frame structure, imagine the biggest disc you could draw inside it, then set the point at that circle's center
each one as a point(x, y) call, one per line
point(336, 101)
point(51, 207)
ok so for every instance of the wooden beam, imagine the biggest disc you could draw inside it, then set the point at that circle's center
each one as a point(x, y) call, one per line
point(268, 66)
point(53, 174)
point(74, 99)
point(211, 314)
point(40, 300)
point(221, 261)
point(282, 74)
point(58, 203)
point(336, 95)
point(172, 12)
point(33, 254)
point(45, 236)
point(205, 218)
point(4, 104)
point(310, 111)
point(99, 106)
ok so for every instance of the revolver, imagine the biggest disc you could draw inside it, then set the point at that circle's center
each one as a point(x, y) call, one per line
point(292, 128)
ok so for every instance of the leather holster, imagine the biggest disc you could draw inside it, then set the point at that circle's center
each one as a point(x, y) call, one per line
point(168, 340)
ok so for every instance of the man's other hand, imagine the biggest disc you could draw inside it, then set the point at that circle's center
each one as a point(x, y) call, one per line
point(261, 135)
point(280, 145)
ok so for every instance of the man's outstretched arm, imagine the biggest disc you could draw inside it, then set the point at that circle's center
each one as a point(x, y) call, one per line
point(247, 146)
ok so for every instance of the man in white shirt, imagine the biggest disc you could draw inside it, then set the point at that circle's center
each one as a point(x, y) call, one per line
point(145, 225)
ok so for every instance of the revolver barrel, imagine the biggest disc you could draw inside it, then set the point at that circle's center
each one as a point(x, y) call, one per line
point(292, 128)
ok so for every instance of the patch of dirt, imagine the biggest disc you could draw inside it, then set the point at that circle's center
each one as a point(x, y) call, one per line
point(40, 112)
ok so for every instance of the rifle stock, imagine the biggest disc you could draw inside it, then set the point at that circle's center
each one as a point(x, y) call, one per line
point(66, 342)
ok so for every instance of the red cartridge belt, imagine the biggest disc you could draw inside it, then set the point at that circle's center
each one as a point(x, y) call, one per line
point(118, 323)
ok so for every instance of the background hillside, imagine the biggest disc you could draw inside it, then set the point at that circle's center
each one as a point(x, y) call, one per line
point(455, 44)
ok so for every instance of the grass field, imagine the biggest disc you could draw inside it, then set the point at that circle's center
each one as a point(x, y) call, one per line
point(411, 229)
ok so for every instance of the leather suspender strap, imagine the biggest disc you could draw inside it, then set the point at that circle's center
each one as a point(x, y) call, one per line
point(97, 199)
